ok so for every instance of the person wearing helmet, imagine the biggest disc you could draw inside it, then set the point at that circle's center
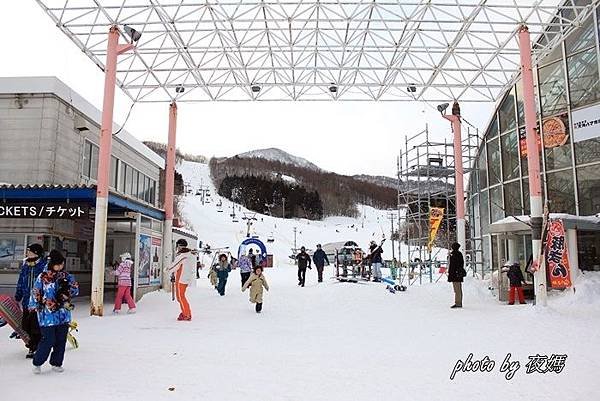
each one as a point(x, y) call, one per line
point(303, 260)
point(34, 264)
point(123, 273)
point(456, 273)
point(184, 270)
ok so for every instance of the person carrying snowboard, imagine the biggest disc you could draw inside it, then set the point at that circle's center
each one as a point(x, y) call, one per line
point(516, 279)
point(456, 273)
point(303, 260)
point(184, 270)
point(123, 273)
point(245, 265)
point(256, 282)
point(320, 258)
point(223, 268)
point(51, 299)
point(376, 260)
point(34, 264)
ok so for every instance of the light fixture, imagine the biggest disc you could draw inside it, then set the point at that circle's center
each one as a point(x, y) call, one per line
point(179, 89)
point(255, 88)
point(133, 34)
point(333, 88)
point(442, 107)
point(411, 88)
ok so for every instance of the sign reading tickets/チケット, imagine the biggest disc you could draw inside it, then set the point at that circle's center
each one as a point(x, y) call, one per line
point(586, 123)
point(43, 211)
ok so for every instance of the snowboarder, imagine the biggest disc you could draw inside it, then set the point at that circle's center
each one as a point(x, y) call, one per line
point(303, 260)
point(245, 265)
point(184, 270)
point(516, 279)
point(34, 264)
point(51, 298)
point(223, 268)
point(320, 258)
point(376, 260)
point(123, 273)
point(456, 273)
point(256, 282)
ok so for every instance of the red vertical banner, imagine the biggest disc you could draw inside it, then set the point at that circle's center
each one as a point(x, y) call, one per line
point(557, 256)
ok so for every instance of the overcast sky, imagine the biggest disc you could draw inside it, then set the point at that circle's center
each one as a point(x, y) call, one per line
point(348, 138)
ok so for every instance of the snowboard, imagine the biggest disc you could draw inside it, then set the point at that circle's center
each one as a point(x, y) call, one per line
point(10, 311)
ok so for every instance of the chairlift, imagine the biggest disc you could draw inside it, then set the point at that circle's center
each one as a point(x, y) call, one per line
point(270, 238)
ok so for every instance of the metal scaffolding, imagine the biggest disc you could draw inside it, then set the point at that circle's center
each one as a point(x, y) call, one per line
point(426, 175)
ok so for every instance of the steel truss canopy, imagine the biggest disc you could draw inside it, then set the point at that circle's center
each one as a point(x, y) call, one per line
point(427, 50)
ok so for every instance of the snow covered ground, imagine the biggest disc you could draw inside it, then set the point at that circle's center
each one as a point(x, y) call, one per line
point(328, 341)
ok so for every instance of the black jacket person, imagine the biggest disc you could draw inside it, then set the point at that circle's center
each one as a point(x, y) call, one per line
point(303, 260)
point(456, 273)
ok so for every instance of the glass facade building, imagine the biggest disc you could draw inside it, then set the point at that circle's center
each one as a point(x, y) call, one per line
point(568, 113)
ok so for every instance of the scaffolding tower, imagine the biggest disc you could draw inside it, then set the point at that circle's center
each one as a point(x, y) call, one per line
point(426, 178)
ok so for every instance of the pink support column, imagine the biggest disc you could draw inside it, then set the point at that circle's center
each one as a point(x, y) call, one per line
point(459, 180)
point(533, 163)
point(106, 132)
point(168, 191)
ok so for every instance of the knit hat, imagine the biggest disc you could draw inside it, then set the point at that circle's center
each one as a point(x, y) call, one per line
point(55, 258)
point(37, 249)
point(181, 242)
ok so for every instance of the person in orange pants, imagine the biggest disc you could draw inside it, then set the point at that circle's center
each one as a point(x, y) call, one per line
point(184, 269)
point(515, 276)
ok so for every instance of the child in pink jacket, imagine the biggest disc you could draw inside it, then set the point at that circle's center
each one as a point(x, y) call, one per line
point(123, 273)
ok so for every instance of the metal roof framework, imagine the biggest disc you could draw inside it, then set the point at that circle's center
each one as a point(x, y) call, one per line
point(319, 50)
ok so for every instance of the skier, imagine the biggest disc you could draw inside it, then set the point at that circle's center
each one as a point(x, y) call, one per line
point(376, 260)
point(184, 270)
point(303, 260)
point(245, 265)
point(33, 265)
point(252, 257)
point(223, 268)
point(515, 276)
point(123, 273)
point(256, 282)
point(320, 258)
point(51, 298)
point(456, 273)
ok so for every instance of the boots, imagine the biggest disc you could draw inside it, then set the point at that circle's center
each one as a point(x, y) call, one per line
point(258, 307)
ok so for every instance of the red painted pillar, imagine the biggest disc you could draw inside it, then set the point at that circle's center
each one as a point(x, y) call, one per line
point(459, 181)
point(533, 164)
point(106, 132)
point(169, 191)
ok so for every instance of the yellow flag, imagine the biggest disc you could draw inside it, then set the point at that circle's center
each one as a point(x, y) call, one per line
point(436, 214)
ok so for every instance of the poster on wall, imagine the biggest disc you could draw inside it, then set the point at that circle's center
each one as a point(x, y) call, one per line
point(555, 131)
point(586, 123)
point(155, 265)
point(145, 260)
point(557, 257)
point(523, 141)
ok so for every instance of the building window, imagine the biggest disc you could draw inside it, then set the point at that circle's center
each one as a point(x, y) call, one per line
point(561, 194)
point(94, 162)
point(581, 37)
point(128, 179)
point(493, 153)
point(492, 131)
point(587, 151)
point(147, 190)
point(526, 197)
point(510, 155)
point(552, 87)
point(588, 184)
point(506, 112)
point(113, 172)
point(496, 203)
point(512, 192)
point(153, 192)
point(583, 78)
point(482, 169)
point(87, 157)
point(484, 212)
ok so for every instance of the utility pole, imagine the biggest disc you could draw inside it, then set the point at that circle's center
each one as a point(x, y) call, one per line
point(283, 212)
point(392, 216)
point(295, 245)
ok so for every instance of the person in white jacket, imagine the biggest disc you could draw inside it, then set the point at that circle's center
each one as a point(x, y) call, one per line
point(184, 270)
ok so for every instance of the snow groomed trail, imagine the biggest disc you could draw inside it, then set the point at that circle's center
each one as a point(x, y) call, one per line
point(327, 341)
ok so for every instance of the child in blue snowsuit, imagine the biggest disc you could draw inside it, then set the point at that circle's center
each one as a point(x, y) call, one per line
point(33, 265)
point(51, 299)
point(223, 268)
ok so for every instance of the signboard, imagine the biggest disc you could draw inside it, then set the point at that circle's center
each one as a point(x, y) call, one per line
point(156, 257)
point(145, 260)
point(523, 141)
point(555, 131)
point(586, 123)
point(44, 211)
point(436, 214)
point(557, 257)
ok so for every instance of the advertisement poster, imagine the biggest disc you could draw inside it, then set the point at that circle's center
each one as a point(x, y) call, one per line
point(145, 260)
point(155, 265)
point(586, 123)
point(436, 214)
point(555, 131)
point(557, 257)
point(7, 248)
point(523, 141)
